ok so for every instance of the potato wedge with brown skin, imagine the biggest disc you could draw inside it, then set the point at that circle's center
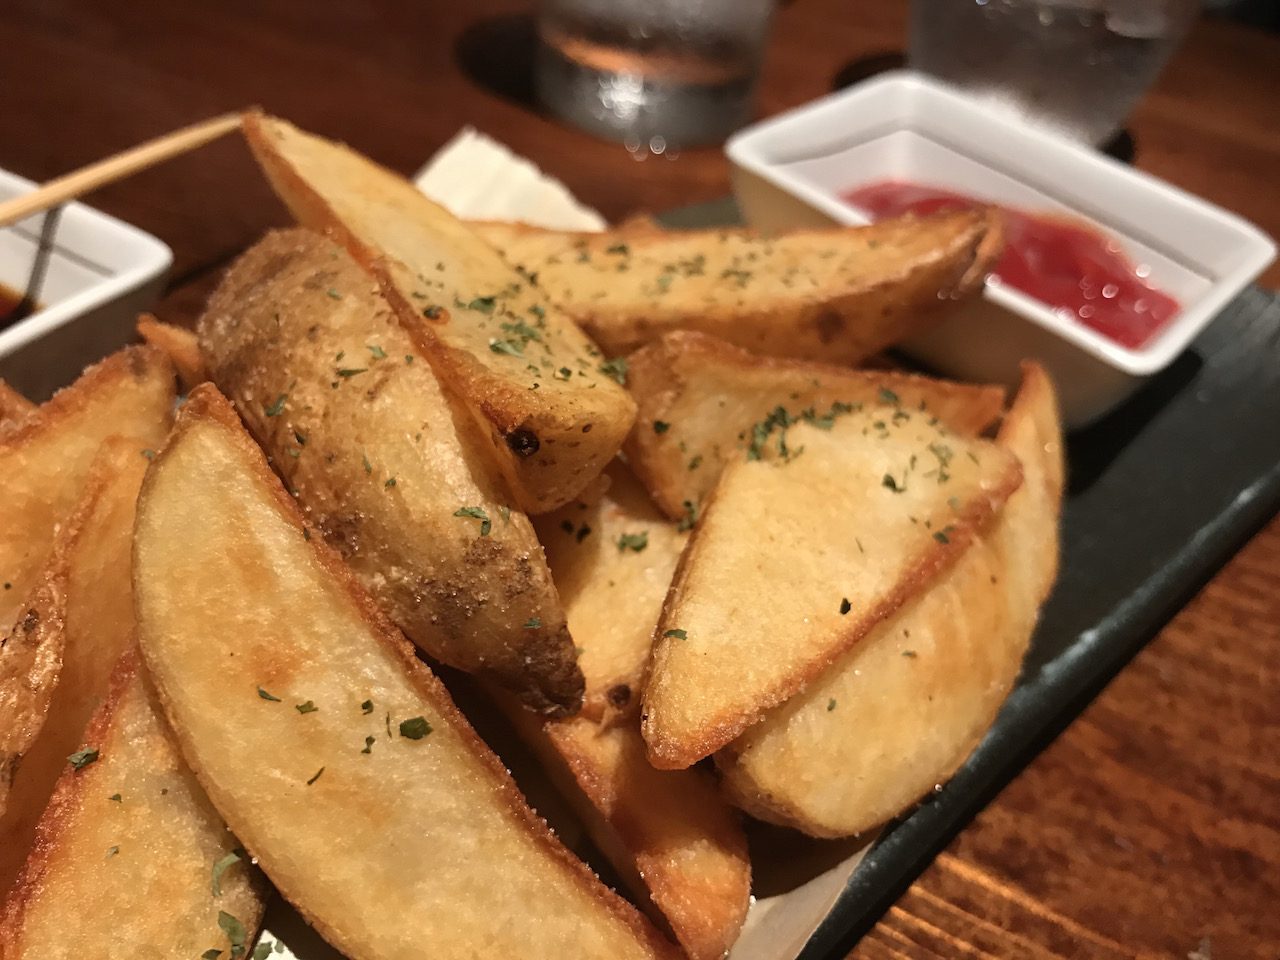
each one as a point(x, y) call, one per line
point(838, 294)
point(551, 417)
point(699, 398)
point(13, 405)
point(901, 711)
point(802, 552)
point(336, 756)
point(612, 555)
point(30, 661)
point(177, 343)
point(130, 858)
point(669, 834)
point(385, 466)
point(92, 554)
point(44, 459)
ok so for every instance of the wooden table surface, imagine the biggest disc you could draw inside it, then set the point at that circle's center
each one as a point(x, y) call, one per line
point(1152, 825)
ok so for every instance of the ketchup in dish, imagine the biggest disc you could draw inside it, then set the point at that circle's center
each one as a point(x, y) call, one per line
point(1060, 262)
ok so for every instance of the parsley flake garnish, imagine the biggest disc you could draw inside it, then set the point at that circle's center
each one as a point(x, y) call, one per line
point(661, 426)
point(351, 371)
point(892, 484)
point(213, 953)
point(377, 352)
point(677, 634)
point(943, 535)
point(845, 606)
point(616, 368)
point(277, 408)
point(509, 347)
point(909, 653)
point(415, 728)
point(333, 294)
point(235, 932)
point(633, 541)
point(690, 516)
point(482, 304)
point(149, 454)
point(266, 696)
point(111, 852)
point(115, 797)
point(366, 707)
point(476, 513)
point(222, 866)
point(432, 313)
point(888, 396)
point(831, 704)
point(533, 623)
point(308, 707)
point(368, 744)
point(315, 776)
point(83, 757)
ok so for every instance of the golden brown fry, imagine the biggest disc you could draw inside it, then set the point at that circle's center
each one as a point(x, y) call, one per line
point(549, 414)
point(44, 459)
point(611, 554)
point(92, 554)
point(901, 711)
point(179, 345)
point(699, 398)
point(130, 858)
point(331, 751)
point(14, 407)
point(798, 555)
point(382, 462)
point(837, 294)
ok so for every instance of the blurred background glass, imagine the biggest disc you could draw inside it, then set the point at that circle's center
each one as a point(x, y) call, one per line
point(1076, 66)
point(654, 74)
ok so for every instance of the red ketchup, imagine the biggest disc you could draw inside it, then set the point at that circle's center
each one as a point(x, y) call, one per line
point(1061, 262)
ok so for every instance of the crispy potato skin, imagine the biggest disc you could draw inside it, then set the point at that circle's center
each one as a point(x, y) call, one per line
point(381, 460)
point(13, 405)
point(44, 458)
point(490, 332)
point(412, 844)
point(179, 345)
point(128, 877)
point(699, 396)
point(838, 295)
point(798, 557)
point(612, 592)
point(901, 711)
point(91, 558)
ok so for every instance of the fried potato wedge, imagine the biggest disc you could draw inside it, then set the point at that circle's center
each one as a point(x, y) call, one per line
point(92, 554)
point(30, 660)
point(130, 859)
point(901, 711)
point(802, 552)
point(669, 833)
point(179, 345)
point(44, 459)
point(550, 415)
point(836, 294)
point(13, 405)
point(385, 466)
point(612, 556)
point(699, 398)
point(335, 756)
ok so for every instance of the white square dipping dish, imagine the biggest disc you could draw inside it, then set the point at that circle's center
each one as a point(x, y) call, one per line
point(101, 274)
point(790, 171)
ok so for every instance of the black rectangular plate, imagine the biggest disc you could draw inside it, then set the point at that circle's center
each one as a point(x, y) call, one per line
point(1162, 492)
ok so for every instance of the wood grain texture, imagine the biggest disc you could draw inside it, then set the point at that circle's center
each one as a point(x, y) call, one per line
point(1152, 822)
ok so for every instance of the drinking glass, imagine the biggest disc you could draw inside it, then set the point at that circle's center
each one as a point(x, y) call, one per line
point(655, 74)
point(1076, 66)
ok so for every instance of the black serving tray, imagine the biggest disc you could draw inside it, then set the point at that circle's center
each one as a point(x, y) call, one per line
point(1161, 493)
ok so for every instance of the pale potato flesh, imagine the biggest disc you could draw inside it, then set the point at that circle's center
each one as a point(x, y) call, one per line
point(900, 712)
point(670, 834)
point(125, 854)
point(551, 417)
point(179, 345)
point(698, 398)
point(92, 556)
point(382, 461)
point(392, 846)
point(612, 555)
point(798, 555)
point(838, 294)
point(45, 458)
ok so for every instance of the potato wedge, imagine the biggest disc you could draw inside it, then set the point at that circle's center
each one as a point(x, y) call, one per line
point(30, 661)
point(612, 556)
point(13, 405)
point(669, 834)
point(552, 417)
point(901, 711)
point(45, 458)
point(698, 398)
point(131, 859)
point(97, 618)
point(799, 554)
point(179, 345)
point(384, 465)
point(836, 294)
point(333, 754)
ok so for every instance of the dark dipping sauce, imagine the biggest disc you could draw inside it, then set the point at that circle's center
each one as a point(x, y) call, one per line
point(13, 306)
point(1061, 262)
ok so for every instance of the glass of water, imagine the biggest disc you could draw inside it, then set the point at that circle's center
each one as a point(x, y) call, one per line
point(1076, 66)
point(654, 74)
